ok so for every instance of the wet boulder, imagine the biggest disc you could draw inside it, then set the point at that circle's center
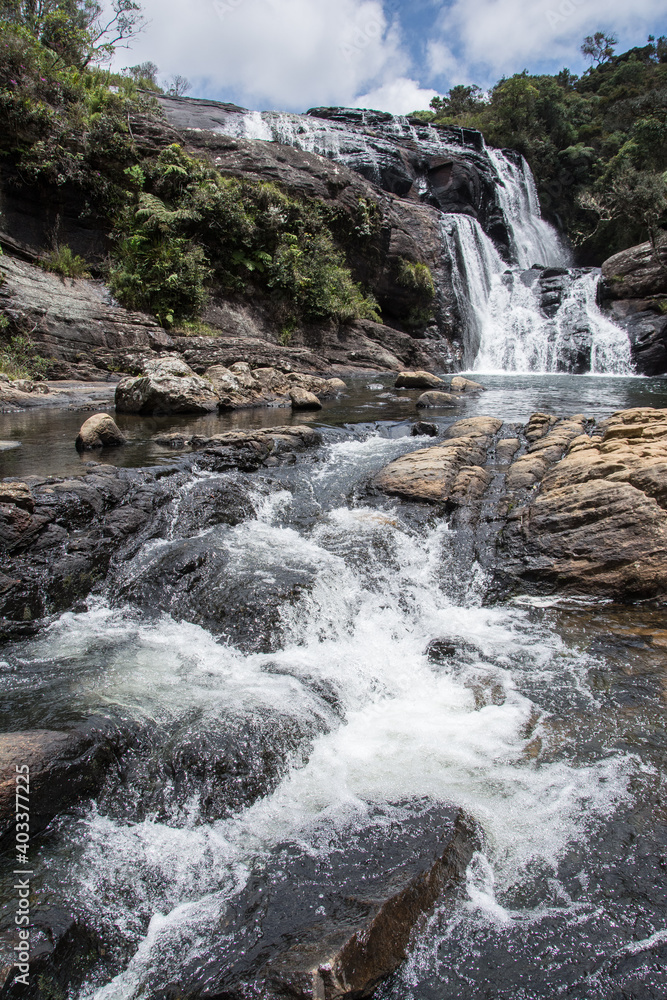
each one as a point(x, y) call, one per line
point(423, 427)
point(451, 471)
point(418, 380)
point(63, 767)
point(461, 384)
point(99, 431)
point(637, 272)
point(434, 399)
point(167, 386)
point(333, 925)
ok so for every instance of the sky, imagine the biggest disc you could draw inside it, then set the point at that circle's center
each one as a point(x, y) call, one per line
point(390, 55)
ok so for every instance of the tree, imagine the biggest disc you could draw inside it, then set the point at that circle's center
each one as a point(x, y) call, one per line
point(460, 100)
point(144, 74)
point(178, 86)
point(78, 31)
point(599, 48)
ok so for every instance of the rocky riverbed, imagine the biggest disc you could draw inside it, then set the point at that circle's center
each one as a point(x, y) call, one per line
point(314, 684)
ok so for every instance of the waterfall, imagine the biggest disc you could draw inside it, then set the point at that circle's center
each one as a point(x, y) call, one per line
point(505, 324)
point(506, 328)
point(533, 240)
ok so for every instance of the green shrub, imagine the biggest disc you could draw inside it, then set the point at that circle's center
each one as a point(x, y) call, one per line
point(19, 357)
point(63, 261)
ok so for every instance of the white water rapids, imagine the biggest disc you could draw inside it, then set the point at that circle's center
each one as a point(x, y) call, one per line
point(392, 727)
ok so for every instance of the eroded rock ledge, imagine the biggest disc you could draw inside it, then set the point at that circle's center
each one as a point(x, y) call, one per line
point(576, 506)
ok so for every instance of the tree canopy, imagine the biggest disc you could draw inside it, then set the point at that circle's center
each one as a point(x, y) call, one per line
point(597, 143)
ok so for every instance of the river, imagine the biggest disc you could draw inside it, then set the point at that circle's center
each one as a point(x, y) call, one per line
point(545, 721)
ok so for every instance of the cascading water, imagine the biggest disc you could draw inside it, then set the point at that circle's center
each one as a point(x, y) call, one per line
point(505, 328)
point(376, 725)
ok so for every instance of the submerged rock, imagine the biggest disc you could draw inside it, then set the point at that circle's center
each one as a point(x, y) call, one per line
point(167, 386)
point(99, 431)
point(418, 380)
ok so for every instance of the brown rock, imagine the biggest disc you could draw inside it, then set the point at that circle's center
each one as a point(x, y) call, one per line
point(433, 473)
point(599, 523)
point(418, 380)
point(434, 399)
point(18, 494)
point(304, 400)
point(99, 431)
point(461, 384)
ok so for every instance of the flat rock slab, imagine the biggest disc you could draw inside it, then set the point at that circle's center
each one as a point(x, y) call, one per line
point(334, 925)
point(418, 380)
point(449, 471)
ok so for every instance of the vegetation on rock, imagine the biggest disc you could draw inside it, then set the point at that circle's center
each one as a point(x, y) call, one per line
point(597, 144)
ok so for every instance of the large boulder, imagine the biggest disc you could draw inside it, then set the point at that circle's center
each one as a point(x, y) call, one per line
point(167, 386)
point(461, 384)
point(433, 398)
point(636, 273)
point(418, 380)
point(333, 925)
point(99, 431)
point(598, 523)
point(304, 400)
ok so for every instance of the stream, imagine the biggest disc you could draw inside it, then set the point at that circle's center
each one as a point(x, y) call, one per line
point(323, 713)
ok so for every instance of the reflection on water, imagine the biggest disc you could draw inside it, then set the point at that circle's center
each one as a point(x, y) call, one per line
point(47, 436)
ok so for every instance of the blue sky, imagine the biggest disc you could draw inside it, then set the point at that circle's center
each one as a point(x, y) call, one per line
point(387, 54)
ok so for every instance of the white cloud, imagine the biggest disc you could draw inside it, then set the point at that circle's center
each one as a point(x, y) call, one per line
point(400, 97)
point(482, 39)
point(283, 54)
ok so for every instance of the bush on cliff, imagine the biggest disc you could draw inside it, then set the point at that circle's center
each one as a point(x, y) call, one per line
point(187, 224)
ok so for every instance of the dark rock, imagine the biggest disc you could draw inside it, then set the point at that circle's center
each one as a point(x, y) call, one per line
point(62, 950)
point(425, 428)
point(636, 273)
point(99, 431)
point(333, 925)
point(63, 768)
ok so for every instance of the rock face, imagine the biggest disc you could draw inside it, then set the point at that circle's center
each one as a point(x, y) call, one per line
point(326, 928)
point(599, 523)
point(418, 380)
point(576, 508)
point(168, 386)
point(76, 324)
point(448, 472)
point(634, 287)
point(99, 431)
